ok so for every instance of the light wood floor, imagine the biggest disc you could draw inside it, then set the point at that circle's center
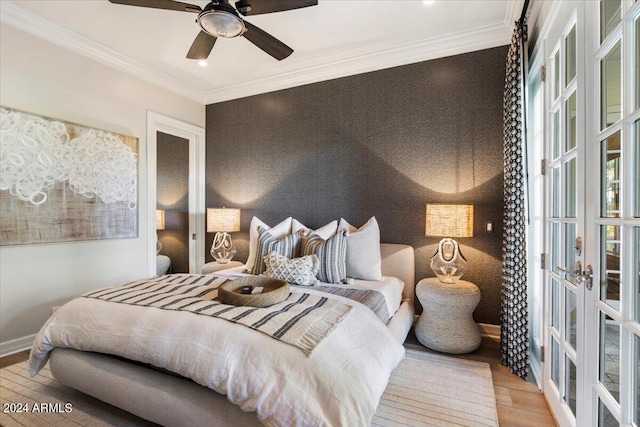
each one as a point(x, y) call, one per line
point(520, 403)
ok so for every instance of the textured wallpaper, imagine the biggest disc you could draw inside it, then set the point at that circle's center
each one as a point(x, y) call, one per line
point(383, 143)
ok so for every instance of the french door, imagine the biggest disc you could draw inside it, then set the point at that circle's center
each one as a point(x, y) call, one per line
point(591, 328)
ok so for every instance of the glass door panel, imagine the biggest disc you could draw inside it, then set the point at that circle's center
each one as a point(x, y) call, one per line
point(636, 167)
point(571, 195)
point(571, 122)
point(605, 417)
point(610, 170)
point(611, 87)
point(609, 17)
point(570, 51)
point(610, 356)
point(635, 263)
point(610, 266)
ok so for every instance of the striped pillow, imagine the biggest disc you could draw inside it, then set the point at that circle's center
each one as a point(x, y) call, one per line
point(287, 246)
point(332, 254)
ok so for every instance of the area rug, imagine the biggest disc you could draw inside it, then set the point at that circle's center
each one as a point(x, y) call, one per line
point(429, 389)
point(425, 390)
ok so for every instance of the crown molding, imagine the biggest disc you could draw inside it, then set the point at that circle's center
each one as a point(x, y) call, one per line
point(418, 51)
point(31, 23)
point(324, 68)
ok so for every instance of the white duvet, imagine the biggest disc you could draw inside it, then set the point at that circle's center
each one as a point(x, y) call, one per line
point(339, 384)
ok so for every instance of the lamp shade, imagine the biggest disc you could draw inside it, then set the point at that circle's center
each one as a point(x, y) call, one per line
point(159, 219)
point(449, 220)
point(223, 219)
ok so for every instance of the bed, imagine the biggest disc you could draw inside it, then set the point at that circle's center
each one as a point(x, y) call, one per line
point(149, 390)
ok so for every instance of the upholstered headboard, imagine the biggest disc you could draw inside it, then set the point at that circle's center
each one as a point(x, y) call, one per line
point(398, 261)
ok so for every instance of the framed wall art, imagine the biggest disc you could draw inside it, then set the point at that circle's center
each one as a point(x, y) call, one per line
point(63, 182)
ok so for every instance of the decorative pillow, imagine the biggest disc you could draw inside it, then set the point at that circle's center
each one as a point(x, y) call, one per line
point(364, 260)
point(300, 271)
point(277, 231)
point(325, 231)
point(288, 246)
point(331, 254)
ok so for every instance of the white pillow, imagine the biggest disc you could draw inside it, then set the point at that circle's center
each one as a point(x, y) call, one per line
point(276, 231)
point(325, 231)
point(300, 271)
point(364, 260)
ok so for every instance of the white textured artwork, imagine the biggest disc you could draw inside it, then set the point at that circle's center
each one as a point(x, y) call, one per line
point(62, 182)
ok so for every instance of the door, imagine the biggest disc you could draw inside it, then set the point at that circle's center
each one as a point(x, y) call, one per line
point(564, 154)
point(613, 306)
point(592, 223)
point(173, 197)
point(194, 220)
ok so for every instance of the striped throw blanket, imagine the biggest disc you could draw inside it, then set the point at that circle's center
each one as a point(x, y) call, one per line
point(373, 299)
point(302, 320)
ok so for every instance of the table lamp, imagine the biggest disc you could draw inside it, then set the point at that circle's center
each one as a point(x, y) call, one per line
point(222, 221)
point(448, 263)
point(159, 226)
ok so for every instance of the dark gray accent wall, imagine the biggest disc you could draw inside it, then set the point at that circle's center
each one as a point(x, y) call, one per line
point(383, 143)
point(173, 196)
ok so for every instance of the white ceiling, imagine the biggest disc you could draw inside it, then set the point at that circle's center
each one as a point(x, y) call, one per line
point(336, 38)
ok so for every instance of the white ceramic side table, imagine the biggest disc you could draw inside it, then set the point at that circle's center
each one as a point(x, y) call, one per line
point(446, 323)
point(212, 267)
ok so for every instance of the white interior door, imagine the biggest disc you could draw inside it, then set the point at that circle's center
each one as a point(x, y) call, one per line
point(592, 223)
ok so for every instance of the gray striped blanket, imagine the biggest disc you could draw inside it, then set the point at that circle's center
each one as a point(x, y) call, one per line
point(373, 299)
point(302, 320)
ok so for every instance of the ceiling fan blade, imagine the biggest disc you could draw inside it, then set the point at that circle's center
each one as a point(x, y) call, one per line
point(161, 4)
point(266, 42)
point(257, 7)
point(201, 47)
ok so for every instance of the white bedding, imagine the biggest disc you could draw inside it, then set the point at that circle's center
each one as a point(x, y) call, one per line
point(339, 384)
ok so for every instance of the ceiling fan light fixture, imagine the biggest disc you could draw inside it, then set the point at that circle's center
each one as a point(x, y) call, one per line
point(220, 23)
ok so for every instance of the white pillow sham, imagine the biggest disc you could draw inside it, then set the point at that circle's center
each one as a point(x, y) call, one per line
point(363, 260)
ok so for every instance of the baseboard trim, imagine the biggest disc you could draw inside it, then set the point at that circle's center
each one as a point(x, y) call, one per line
point(10, 347)
point(488, 330)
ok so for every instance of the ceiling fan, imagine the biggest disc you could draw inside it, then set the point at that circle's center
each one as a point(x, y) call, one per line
point(220, 19)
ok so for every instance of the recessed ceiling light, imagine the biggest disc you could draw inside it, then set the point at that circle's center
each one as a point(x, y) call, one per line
point(428, 2)
point(202, 63)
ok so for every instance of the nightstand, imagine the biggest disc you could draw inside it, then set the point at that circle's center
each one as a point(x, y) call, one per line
point(446, 323)
point(212, 267)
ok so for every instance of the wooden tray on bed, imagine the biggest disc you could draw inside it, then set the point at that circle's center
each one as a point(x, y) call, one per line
point(274, 291)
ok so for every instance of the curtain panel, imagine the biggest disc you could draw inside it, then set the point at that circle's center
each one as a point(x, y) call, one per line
point(514, 339)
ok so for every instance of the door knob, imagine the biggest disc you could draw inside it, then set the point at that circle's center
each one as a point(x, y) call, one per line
point(585, 277)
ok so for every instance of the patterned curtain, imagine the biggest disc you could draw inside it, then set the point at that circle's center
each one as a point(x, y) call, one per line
point(514, 339)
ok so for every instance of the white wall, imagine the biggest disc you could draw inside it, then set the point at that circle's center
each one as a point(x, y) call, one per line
point(44, 79)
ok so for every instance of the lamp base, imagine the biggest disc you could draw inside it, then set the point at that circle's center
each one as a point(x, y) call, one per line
point(448, 264)
point(222, 249)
